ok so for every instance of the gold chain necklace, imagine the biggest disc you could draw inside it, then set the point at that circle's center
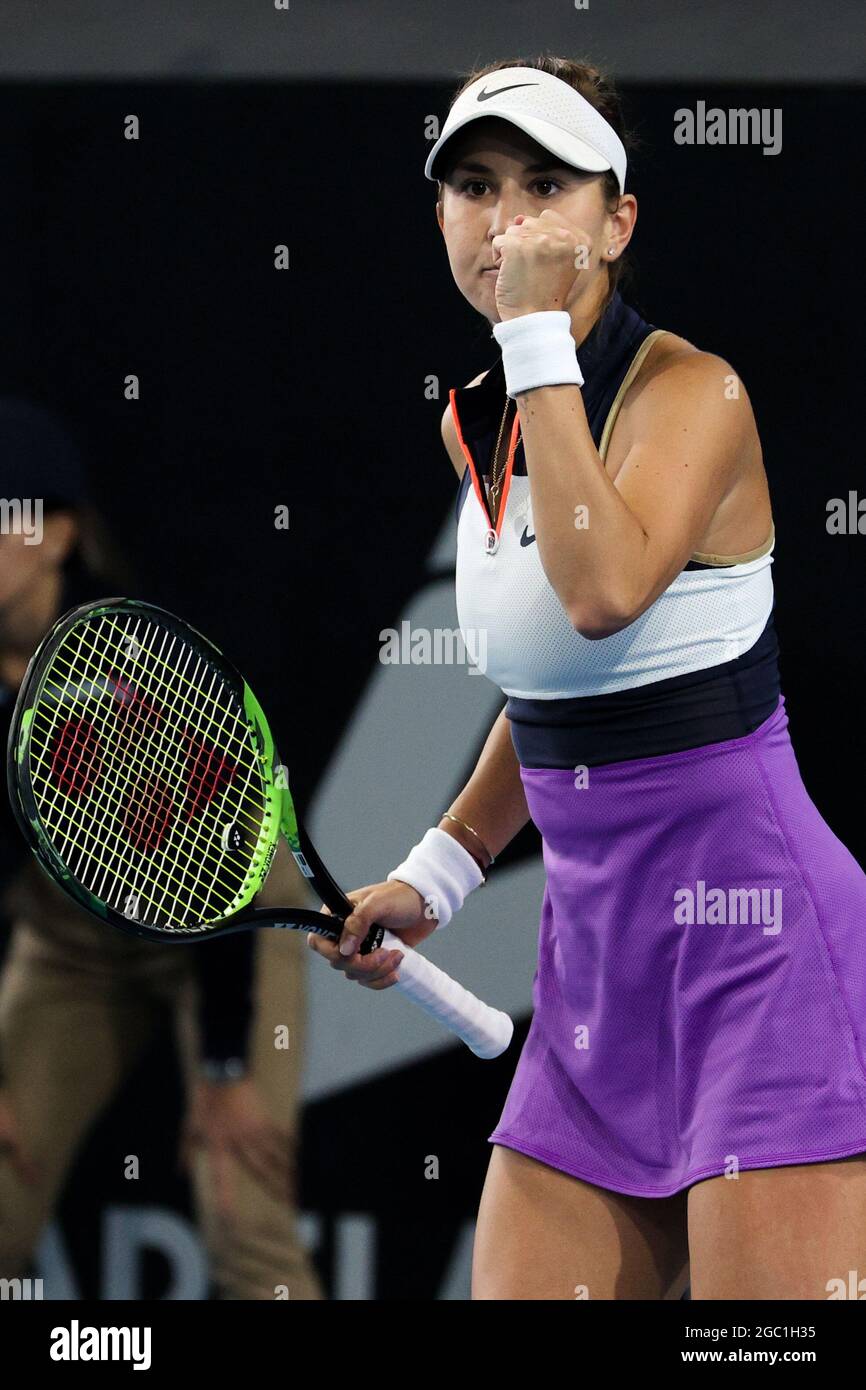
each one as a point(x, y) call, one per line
point(496, 479)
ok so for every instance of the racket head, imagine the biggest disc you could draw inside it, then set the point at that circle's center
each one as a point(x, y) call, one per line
point(144, 775)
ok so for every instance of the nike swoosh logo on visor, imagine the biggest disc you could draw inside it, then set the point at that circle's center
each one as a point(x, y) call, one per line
point(485, 96)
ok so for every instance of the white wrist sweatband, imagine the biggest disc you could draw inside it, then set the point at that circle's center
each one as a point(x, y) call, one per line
point(538, 350)
point(442, 871)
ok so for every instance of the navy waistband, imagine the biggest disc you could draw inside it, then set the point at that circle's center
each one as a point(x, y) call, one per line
point(667, 716)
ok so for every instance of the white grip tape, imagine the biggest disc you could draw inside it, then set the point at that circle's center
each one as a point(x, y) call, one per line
point(485, 1031)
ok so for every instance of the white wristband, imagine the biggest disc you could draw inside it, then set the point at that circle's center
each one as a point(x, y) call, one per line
point(442, 871)
point(538, 350)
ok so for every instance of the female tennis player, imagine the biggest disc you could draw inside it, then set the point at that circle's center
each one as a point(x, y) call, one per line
point(691, 1096)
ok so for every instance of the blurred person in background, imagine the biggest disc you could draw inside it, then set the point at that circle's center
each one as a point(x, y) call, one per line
point(80, 1004)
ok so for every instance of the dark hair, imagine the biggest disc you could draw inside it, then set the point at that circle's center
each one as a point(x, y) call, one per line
point(599, 90)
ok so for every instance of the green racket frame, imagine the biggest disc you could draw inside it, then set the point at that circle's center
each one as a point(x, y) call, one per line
point(280, 818)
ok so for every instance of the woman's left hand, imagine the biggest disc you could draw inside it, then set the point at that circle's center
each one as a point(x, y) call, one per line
point(541, 258)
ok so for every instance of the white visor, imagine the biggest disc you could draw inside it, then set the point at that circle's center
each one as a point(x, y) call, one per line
point(548, 110)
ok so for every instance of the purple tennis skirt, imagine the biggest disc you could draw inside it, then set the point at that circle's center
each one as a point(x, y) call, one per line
point(700, 994)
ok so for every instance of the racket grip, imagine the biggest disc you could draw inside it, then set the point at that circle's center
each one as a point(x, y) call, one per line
point(485, 1031)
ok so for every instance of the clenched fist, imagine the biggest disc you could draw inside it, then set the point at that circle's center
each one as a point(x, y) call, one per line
point(540, 261)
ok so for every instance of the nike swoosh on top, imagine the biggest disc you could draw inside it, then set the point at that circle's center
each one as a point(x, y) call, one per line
point(526, 539)
point(485, 96)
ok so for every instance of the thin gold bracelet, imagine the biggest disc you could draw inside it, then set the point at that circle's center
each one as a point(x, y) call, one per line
point(446, 815)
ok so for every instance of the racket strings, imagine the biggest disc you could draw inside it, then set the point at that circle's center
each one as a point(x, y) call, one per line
point(127, 816)
point(152, 771)
point(147, 810)
point(192, 778)
point(145, 741)
point(137, 768)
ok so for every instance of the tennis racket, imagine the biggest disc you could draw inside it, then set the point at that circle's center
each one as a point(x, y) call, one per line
point(146, 780)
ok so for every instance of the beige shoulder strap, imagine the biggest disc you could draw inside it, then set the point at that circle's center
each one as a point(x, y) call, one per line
point(627, 380)
point(634, 368)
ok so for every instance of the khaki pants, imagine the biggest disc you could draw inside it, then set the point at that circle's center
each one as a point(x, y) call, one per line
point(79, 1004)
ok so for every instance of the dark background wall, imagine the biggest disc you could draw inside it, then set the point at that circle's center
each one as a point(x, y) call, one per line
point(306, 388)
point(387, 40)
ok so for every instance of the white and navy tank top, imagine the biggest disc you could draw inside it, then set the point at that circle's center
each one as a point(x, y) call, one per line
point(698, 666)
